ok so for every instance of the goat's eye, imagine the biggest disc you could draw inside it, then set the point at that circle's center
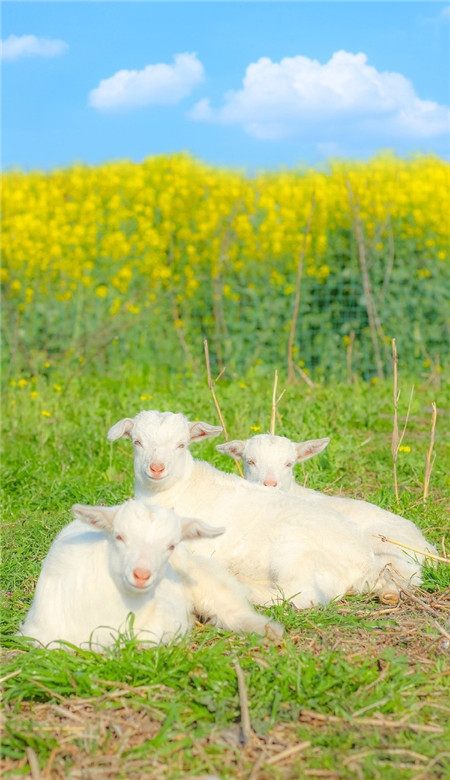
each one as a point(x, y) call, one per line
point(288, 465)
point(250, 463)
point(119, 538)
point(171, 547)
point(137, 443)
point(181, 446)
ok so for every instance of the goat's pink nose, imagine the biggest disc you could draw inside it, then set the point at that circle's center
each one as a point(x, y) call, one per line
point(141, 576)
point(157, 468)
point(270, 483)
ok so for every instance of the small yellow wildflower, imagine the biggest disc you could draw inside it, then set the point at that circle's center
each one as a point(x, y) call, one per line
point(404, 448)
point(101, 291)
point(255, 427)
point(115, 306)
point(45, 413)
point(146, 397)
point(22, 383)
point(34, 394)
point(58, 388)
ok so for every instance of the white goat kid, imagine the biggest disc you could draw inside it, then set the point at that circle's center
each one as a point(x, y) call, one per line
point(277, 544)
point(92, 579)
point(269, 460)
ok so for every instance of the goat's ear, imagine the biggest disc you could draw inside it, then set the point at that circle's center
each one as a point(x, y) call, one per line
point(101, 517)
point(307, 449)
point(200, 430)
point(121, 428)
point(196, 529)
point(233, 448)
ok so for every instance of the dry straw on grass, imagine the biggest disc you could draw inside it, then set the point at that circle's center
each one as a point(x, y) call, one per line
point(211, 384)
point(298, 286)
point(396, 438)
point(414, 549)
point(275, 402)
point(429, 463)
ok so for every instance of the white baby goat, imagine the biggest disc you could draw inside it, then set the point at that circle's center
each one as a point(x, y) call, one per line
point(277, 544)
point(91, 580)
point(269, 460)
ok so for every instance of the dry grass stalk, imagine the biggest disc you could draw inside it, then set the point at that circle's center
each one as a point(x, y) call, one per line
point(396, 438)
point(350, 377)
point(246, 726)
point(374, 323)
point(311, 715)
point(211, 385)
point(124, 452)
point(421, 603)
point(305, 377)
point(391, 259)
point(33, 763)
point(298, 286)
point(413, 549)
point(429, 463)
point(288, 753)
point(11, 674)
point(275, 402)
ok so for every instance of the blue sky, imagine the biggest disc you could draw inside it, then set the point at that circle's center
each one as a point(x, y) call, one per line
point(244, 84)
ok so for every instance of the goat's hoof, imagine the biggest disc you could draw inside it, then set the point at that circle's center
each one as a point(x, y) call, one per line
point(390, 597)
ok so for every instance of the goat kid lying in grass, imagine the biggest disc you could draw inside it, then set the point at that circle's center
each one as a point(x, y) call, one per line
point(92, 579)
point(279, 545)
point(269, 460)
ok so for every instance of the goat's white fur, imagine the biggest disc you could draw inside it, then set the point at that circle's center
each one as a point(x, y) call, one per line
point(92, 579)
point(269, 460)
point(279, 545)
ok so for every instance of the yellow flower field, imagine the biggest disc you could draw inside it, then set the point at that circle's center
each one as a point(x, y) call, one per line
point(184, 239)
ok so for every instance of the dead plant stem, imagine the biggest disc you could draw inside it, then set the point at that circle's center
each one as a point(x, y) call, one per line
point(429, 463)
point(211, 385)
point(246, 726)
point(275, 402)
point(298, 286)
point(414, 549)
point(374, 324)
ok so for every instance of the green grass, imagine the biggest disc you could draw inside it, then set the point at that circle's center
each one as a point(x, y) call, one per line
point(377, 678)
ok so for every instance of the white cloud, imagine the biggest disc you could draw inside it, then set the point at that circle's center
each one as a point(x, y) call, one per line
point(300, 97)
point(17, 46)
point(158, 84)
